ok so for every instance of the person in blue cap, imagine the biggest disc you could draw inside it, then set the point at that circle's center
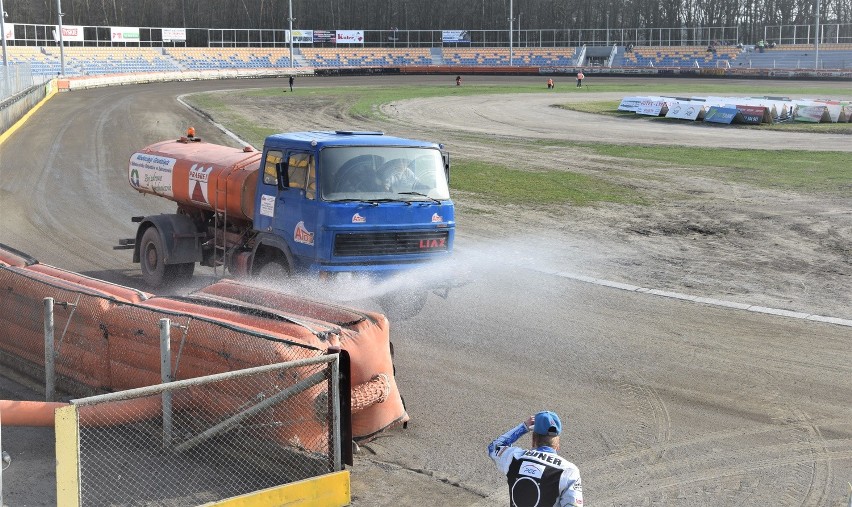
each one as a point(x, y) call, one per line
point(538, 477)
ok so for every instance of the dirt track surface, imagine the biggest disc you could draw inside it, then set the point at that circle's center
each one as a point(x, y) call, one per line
point(666, 402)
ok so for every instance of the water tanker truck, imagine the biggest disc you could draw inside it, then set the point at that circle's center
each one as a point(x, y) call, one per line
point(311, 203)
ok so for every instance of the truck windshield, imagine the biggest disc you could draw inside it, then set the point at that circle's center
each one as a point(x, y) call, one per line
point(382, 173)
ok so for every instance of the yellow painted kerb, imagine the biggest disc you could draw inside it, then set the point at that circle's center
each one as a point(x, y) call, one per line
point(19, 123)
point(67, 457)
point(329, 490)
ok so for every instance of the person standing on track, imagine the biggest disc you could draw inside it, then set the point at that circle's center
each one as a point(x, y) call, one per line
point(537, 477)
point(580, 77)
point(292, 79)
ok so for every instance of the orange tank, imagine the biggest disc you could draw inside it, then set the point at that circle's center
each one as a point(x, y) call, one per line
point(200, 175)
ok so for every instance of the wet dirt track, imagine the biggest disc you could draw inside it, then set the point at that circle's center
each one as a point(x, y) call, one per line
point(666, 402)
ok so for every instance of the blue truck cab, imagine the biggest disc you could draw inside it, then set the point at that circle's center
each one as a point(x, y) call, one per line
point(343, 201)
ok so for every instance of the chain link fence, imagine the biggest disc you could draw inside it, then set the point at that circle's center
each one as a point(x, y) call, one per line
point(202, 440)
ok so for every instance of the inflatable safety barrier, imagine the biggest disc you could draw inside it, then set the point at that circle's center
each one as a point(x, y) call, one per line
point(107, 336)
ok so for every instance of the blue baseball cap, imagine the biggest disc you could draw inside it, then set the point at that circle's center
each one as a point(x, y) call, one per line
point(547, 423)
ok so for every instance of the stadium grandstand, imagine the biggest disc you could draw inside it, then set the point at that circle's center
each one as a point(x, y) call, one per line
point(150, 51)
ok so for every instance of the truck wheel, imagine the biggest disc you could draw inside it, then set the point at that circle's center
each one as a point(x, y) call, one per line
point(272, 270)
point(151, 254)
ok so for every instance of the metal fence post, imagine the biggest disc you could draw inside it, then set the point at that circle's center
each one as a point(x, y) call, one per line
point(334, 385)
point(166, 377)
point(49, 356)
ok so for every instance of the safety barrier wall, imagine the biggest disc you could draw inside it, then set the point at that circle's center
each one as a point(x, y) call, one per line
point(203, 440)
point(16, 106)
point(79, 83)
point(107, 337)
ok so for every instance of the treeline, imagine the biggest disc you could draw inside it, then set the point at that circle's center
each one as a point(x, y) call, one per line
point(750, 17)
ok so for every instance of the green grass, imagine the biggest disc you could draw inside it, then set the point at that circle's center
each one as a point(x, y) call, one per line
point(786, 169)
point(515, 186)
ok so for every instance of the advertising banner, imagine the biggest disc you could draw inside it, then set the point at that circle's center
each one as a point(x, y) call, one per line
point(302, 37)
point(321, 36)
point(717, 114)
point(456, 36)
point(684, 110)
point(652, 108)
point(630, 104)
point(124, 34)
point(811, 114)
point(69, 33)
point(10, 31)
point(350, 36)
point(752, 115)
point(174, 34)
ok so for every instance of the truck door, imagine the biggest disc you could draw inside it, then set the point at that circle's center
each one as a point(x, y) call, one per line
point(296, 207)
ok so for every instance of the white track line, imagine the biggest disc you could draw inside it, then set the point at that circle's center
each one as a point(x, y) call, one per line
point(697, 299)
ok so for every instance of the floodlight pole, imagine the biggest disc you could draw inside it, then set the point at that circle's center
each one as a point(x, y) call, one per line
point(816, 38)
point(3, 33)
point(61, 45)
point(511, 29)
point(290, 20)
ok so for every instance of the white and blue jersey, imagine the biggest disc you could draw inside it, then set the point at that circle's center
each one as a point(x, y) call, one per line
point(537, 477)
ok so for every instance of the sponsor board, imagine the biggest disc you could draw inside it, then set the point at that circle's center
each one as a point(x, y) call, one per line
point(350, 37)
point(72, 33)
point(717, 114)
point(811, 114)
point(456, 36)
point(751, 115)
point(652, 108)
point(321, 36)
point(302, 36)
point(846, 114)
point(684, 110)
point(630, 104)
point(124, 34)
point(152, 173)
point(174, 34)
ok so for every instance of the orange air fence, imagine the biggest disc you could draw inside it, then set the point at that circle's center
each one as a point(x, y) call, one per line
point(107, 336)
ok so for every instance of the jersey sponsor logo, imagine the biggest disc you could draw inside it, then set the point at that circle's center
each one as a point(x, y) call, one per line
point(437, 218)
point(358, 219)
point(531, 469)
point(302, 235)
